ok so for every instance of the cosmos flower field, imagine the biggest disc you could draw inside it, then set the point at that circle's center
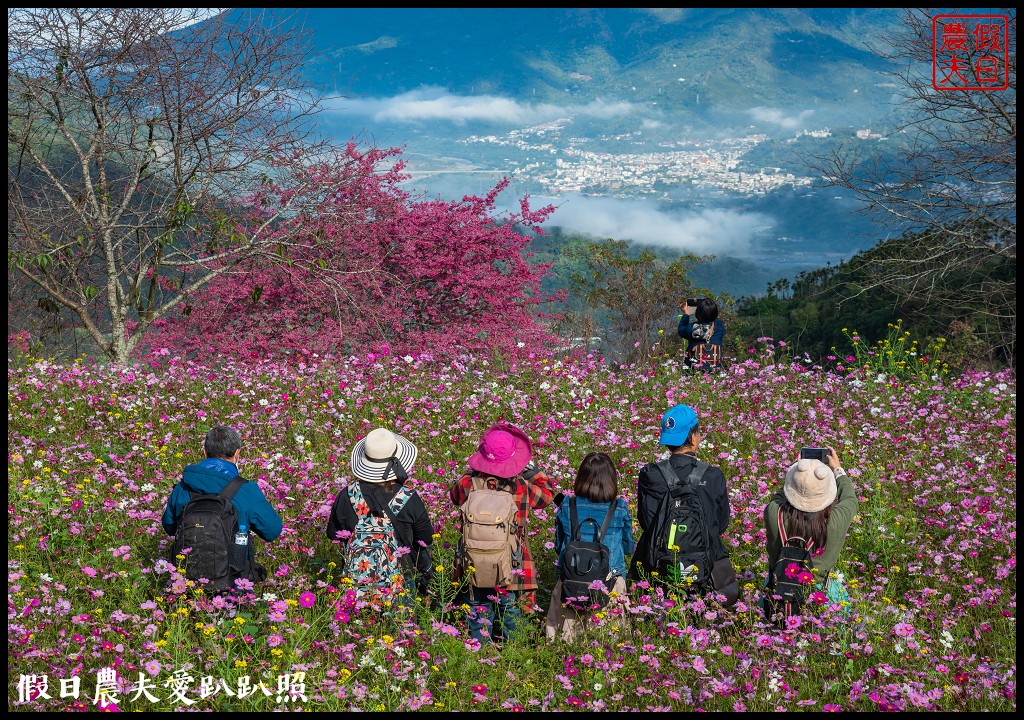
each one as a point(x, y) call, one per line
point(99, 619)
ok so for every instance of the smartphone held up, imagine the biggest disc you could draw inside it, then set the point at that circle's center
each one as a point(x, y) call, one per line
point(814, 453)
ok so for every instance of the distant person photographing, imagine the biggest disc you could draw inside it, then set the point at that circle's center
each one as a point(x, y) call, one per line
point(704, 332)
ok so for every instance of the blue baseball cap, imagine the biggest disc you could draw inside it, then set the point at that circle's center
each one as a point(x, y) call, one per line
point(676, 425)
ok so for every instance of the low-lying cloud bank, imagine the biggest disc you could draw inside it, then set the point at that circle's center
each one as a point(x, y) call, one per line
point(708, 231)
point(435, 103)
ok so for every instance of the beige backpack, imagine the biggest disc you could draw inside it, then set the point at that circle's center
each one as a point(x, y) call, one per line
point(490, 540)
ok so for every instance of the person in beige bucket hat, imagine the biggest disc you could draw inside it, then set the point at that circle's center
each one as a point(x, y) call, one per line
point(817, 502)
point(810, 485)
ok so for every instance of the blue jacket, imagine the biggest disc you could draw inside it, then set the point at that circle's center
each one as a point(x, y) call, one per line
point(618, 539)
point(210, 476)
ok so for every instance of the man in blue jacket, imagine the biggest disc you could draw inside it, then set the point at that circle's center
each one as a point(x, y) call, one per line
point(223, 446)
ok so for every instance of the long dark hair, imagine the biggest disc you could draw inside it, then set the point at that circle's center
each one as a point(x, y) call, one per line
point(807, 525)
point(597, 479)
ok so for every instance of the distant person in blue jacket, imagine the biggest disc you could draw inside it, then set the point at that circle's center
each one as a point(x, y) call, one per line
point(223, 447)
point(704, 332)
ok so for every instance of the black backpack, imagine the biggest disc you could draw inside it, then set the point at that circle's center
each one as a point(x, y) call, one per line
point(786, 594)
point(584, 562)
point(682, 542)
point(208, 525)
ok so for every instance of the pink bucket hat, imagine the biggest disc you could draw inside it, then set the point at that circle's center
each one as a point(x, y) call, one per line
point(504, 451)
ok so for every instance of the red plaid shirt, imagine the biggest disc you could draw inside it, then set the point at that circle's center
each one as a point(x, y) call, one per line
point(536, 493)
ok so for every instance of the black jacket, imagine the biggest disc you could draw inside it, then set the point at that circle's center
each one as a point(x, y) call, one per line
point(412, 525)
point(651, 488)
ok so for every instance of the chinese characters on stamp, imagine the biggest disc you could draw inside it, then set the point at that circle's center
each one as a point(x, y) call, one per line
point(970, 52)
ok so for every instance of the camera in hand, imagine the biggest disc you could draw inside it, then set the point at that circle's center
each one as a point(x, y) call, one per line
point(692, 302)
point(814, 453)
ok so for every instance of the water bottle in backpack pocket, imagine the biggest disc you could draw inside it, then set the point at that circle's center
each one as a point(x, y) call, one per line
point(240, 549)
point(682, 543)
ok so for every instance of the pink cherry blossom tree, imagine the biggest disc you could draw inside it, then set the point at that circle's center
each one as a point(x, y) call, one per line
point(370, 266)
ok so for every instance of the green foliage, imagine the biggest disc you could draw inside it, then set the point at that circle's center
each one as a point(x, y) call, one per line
point(812, 311)
point(898, 355)
point(637, 292)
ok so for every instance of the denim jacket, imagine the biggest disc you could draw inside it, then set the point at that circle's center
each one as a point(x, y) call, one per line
point(618, 539)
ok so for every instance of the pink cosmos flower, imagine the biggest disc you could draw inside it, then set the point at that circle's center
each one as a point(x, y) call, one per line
point(89, 571)
point(903, 629)
point(805, 578)
point(274, 640)
point(792, 570)
point(307, 599)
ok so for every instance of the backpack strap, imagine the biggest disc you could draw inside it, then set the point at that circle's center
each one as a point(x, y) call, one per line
point(397, 502)
point(574, 519)
point(227, 492)
point(576, 527)
point(668, 472)
point(232, 487)
point(672, 477)
point(607, 519)
point(375, 506)
point(808, 544)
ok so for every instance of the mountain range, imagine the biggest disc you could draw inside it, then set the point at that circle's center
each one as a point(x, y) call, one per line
point(687, 65)
point(626, 80)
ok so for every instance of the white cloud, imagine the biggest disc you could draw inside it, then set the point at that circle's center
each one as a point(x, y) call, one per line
point(436, 103)
point(703, 232)
point(779, 117)
point(666, 15)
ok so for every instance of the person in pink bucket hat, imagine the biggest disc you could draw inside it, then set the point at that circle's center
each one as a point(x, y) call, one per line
point(504, 461)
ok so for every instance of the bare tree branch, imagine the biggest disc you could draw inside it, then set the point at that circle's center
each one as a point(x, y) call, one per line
point(137, 138)
point(951, 198)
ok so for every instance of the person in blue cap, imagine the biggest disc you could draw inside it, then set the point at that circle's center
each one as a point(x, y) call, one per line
point(681, 434)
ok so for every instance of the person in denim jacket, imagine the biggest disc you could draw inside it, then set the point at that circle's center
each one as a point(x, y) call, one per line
point(595, 488)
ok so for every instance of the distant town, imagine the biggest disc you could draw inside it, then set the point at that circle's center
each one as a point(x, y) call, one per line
point(560, 165)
